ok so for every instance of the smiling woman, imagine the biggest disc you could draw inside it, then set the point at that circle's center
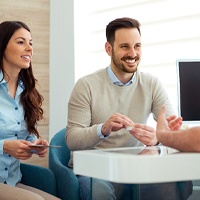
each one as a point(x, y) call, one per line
point(19, 50)
point(39, 23)
point(20, 110)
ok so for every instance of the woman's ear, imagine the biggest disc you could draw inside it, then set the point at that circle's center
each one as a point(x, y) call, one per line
point(108, 48)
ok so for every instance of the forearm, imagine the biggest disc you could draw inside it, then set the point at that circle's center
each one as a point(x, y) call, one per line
point(183, 140)
point(81, 133)
point(82, 138)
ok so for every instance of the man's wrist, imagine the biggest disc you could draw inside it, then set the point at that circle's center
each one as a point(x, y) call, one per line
point(157, 143)
point(99, 133)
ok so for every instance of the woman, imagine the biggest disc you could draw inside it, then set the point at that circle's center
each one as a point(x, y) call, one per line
point(20, 110)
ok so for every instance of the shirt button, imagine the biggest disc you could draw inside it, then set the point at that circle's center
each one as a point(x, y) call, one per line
point(16, 134)
point(18, 123)
point(6, 169)
point(16, 108)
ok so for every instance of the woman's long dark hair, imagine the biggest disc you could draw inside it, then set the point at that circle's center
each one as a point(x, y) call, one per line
point(31, 99)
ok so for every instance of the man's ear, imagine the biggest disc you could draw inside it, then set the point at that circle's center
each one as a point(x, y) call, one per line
point(108, 48)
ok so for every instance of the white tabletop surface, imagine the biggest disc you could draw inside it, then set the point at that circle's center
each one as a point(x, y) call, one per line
point(138, 164)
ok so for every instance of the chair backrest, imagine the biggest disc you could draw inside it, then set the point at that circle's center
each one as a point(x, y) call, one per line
point(61, 154)
point(67, 182)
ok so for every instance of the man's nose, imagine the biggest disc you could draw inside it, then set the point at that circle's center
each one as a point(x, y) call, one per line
point(132, 52)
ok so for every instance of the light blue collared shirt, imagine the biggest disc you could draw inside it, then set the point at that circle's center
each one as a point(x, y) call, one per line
point(12, 127)
point(115, 81)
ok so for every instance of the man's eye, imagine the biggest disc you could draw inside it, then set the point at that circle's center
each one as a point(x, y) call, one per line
point(138, 45)
point(124, 46)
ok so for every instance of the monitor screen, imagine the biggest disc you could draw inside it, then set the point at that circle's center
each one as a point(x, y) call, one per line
point(188, 72)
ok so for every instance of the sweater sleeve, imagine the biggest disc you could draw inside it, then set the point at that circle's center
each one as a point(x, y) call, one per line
point(80, 134)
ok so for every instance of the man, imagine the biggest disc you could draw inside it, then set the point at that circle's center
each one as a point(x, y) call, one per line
point(183, 140)
point(104, 103)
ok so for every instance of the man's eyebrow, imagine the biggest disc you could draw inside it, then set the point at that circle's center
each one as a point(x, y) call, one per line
point(137, 43)
point(123, 44)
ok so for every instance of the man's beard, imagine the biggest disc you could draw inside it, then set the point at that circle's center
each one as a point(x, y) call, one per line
point(120, 65)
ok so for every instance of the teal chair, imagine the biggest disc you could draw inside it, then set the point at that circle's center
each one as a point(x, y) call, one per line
point(39, 177)
point(67, 182)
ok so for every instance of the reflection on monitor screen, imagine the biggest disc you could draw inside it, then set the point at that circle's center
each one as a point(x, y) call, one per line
point(188, 72)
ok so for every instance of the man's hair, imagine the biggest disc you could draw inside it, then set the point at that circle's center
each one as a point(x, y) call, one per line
point(119, 23)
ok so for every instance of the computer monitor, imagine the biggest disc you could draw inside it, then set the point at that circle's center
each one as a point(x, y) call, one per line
point(188, 81)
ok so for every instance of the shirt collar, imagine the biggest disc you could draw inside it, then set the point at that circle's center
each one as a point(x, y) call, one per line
point(1, 77)
point(115, 80)
point(20, 82)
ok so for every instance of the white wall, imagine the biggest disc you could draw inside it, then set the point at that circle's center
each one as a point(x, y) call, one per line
point(61, 62)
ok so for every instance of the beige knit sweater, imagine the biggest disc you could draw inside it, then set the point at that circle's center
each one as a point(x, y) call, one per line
point(95, 98)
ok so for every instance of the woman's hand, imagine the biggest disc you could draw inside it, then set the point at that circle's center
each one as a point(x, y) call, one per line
point(41, 151)
point(19, 149)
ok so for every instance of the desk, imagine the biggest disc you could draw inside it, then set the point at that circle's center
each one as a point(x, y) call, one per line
point(167, 166)
point(138, 165)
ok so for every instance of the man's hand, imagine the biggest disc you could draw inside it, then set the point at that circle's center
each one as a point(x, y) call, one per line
point(145, 134)
point(116, 122)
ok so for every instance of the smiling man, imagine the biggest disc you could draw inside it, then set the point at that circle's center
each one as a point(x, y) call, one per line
point(104, 103)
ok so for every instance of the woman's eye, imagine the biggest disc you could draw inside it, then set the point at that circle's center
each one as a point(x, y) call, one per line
point(20, 42)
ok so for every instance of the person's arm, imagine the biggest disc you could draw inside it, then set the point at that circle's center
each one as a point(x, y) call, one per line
point(84, 118)
point(80, 134)
point(182, 139)
point(19, 149)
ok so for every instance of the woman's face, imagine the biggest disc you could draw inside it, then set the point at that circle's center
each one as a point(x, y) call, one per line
point(18, 52)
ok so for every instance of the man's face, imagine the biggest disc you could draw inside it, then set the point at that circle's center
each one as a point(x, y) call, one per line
point(126, 50)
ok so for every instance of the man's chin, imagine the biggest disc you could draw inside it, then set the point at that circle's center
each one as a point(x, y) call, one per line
point(131, 69)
